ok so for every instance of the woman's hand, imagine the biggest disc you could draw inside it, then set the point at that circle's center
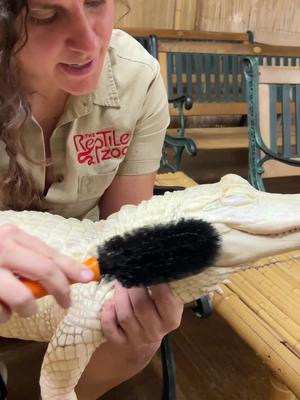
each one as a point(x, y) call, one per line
point(137, 318)
point(24, 255)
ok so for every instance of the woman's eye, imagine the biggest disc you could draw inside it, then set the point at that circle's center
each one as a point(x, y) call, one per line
point(39, 19)
point(95, 3)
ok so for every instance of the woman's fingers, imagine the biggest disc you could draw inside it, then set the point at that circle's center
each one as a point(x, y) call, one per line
point(125, 312)
point(109, 324)
point(73, 269)
point(16, 296)
point(168, 306)
point(146, 313)
point(142, 317)
point(29, 257)
point(32, 265)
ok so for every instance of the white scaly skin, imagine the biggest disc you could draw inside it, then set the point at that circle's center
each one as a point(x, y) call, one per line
point(252, 225)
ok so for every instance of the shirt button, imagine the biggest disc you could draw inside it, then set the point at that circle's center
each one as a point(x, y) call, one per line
point(59, 178)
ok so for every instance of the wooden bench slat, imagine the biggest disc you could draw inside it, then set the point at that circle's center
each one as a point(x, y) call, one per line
point(216, 78)
point(207, 69)
point(279, 75)
point(235, 80)
point(179, 73)
point(227, 138)
point(206, 109)
point(273, 118)
point(167, 62)
point(199, 73)
point(201, 47)
point(217, 138)
point(189, 75)
point(188, 34)
point(226, 76)
point(286, 120)
point(297, 118)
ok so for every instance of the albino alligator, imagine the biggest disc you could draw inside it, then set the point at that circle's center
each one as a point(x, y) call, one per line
point(251, 224)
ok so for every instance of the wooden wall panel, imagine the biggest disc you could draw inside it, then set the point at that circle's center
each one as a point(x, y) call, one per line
point(185, 14)
point(277, 16)
point(224, 16)
point(148, 14)
point(214, 15)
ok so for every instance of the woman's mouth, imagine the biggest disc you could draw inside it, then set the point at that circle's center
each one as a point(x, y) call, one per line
point(77, 69)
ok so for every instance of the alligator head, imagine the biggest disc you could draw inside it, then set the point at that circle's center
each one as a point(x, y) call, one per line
point(252, 224)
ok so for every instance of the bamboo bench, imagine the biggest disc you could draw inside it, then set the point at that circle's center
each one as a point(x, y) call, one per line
point(262, 305)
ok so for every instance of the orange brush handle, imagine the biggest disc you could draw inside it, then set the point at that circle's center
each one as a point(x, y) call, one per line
point(39, 291)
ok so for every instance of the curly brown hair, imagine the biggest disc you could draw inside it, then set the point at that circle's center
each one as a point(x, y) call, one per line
point(18, 190)
point(17, 187)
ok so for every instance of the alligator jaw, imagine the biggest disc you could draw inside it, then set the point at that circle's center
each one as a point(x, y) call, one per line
point(241, 247)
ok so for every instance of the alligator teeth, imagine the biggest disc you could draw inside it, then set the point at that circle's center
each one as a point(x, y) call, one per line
point(282, 234)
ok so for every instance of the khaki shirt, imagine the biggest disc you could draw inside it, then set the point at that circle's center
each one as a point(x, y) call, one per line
point(117, 129)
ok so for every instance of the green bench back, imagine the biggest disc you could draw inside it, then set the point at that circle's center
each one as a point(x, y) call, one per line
point(273, 96)
point(212, 78)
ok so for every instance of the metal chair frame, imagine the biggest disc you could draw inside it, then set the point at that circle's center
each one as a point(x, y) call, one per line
point(259, 152)
point(180, 143)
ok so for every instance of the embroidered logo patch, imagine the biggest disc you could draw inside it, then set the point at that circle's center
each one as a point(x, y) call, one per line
point(96, 147)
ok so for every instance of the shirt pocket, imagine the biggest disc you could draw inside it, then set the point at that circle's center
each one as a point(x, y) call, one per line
point(93, 186)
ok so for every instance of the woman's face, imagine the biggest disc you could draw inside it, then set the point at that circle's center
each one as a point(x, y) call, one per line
point(67, 43)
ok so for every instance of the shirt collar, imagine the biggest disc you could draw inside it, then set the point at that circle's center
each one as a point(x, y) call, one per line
point(106, 93)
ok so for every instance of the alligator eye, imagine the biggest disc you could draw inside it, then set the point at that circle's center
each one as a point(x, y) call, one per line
point(236, 200)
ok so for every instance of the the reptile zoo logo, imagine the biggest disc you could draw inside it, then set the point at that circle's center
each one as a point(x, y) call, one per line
point(96, 147)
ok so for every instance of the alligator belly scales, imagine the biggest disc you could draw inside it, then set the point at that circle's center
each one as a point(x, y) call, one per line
point(251, 224)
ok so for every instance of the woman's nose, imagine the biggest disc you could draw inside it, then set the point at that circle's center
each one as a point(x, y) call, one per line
point(82, 36)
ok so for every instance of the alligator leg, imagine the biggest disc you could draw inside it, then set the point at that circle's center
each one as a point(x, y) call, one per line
point(65, 362)
point(76, 338)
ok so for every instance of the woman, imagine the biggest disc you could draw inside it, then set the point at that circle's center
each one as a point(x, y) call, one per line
point(83, 116)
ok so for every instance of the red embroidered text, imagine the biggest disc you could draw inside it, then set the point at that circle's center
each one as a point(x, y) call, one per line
point(93, 148)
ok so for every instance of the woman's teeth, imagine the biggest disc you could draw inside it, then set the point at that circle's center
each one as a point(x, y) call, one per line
point(78, 69)
point(77, 65)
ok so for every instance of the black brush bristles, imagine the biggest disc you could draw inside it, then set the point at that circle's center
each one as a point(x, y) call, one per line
point(159, 254)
